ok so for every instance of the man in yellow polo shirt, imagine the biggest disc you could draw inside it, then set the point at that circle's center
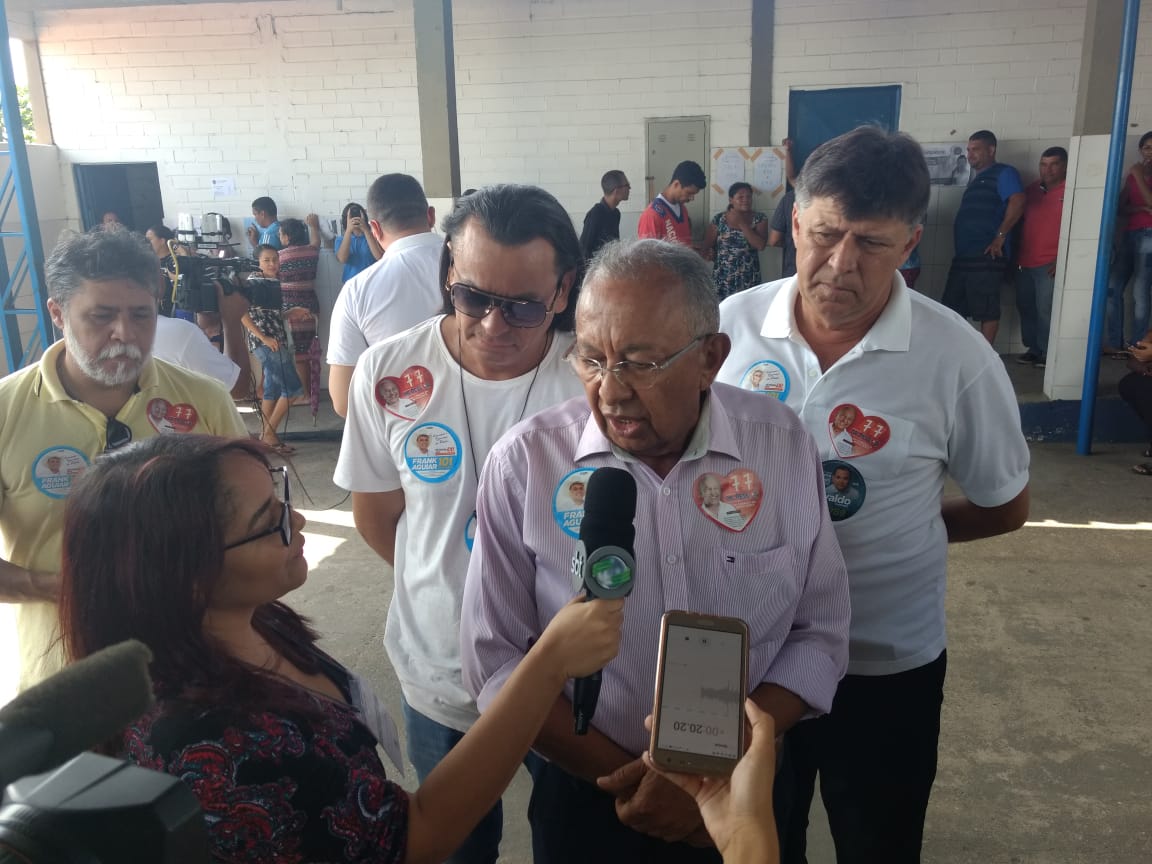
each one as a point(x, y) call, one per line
point(96, 390)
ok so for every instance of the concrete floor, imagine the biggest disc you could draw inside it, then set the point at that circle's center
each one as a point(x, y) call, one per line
point(1046, 749)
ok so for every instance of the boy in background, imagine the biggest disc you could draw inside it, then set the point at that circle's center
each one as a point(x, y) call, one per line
point(268, 341)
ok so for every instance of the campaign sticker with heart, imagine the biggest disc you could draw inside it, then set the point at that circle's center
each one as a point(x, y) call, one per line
point(731, 501)
point(167, 418)
point(855, 433)
point(407, 394)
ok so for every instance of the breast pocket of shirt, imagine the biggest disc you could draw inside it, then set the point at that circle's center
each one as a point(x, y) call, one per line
point(760, 588)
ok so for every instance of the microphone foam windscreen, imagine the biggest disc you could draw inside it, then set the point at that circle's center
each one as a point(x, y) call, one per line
point(612, 494)
point(86, 703)
point(609, 510)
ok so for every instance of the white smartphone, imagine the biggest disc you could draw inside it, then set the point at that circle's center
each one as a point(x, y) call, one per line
point(701, 684)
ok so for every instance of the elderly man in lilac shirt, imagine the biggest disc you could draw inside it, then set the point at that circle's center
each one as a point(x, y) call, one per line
point(648, 350)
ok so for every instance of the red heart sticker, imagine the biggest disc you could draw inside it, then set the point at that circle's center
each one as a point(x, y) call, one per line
point(166, 417)
point(855, 433)
point(731, 501)
point(407, 394)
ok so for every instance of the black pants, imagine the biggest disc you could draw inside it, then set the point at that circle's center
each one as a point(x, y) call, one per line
point(1136, 390)
point(875, 753)
point(573, 821)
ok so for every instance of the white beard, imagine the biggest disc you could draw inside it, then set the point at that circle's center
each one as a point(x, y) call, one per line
point(127, 370)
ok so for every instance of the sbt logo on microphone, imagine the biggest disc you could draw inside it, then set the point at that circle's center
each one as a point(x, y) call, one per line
point(608, 572)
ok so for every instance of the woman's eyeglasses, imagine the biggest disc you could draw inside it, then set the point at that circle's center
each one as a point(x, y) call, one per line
point(284, 527)
point(517, 313)
point(117, 435)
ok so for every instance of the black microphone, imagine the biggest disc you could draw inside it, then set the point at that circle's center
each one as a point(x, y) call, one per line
point(603, 563)
point(79, 707)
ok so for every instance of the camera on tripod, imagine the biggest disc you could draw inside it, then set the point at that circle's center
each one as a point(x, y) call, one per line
point(196, 277)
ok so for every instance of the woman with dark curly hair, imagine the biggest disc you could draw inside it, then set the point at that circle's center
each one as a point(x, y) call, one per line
point(735, 239)
point(299, 255)
point(188, 543)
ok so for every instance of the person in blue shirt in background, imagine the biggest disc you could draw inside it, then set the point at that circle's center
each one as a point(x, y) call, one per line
point(992, 204)
point(361, 250)
point(266, 231)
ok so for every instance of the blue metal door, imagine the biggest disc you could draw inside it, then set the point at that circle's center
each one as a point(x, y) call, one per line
point(816, 116)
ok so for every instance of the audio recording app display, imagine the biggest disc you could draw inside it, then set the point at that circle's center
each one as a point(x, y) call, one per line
point(700, 709)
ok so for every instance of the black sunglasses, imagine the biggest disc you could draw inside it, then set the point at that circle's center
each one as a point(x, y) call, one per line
point(517, 313)
point(117, 435)
point(283, 527)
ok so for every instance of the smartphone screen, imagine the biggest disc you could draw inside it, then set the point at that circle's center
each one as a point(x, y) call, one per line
point(700, 691)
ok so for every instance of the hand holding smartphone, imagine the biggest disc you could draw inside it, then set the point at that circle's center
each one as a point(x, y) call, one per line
point(701, 684)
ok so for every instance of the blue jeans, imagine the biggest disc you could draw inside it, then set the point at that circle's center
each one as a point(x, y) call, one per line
point(1133, 260)
point(280, 378)
point(1034, 289)
point(428, 743)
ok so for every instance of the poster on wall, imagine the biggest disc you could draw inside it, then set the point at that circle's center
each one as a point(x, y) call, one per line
point(762, 167)
point(947, 164)
point(728, 167)
point(768, 172)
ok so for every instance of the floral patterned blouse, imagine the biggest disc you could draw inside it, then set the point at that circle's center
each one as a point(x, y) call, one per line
point(278, 787)
point(737, 264)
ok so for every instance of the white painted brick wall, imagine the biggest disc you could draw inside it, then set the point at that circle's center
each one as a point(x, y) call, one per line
point(294, 99)
point(960, 65)
point(308, 104)
point(556, 93)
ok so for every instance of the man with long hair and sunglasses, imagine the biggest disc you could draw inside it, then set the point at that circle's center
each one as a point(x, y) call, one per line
point(425, 407)
point(95, 390)
point(730, 520)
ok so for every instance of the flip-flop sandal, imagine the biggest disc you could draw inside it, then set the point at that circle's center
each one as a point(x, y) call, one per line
point(284, 449)
point(1144, 468)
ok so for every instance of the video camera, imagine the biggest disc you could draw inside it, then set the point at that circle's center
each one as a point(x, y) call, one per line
point(195, 278)
point(91, 809)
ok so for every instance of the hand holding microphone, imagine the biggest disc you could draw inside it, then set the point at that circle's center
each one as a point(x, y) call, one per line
point(603, 563)
point(583, 636)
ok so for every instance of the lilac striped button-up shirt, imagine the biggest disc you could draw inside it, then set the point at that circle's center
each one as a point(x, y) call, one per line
point(764, 552)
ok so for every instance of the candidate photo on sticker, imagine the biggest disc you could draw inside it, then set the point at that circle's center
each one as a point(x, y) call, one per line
point(56, 469)
point(767, 377)
point(844, 489)
point(568, 500)
point(710, 500)
point(407, 394)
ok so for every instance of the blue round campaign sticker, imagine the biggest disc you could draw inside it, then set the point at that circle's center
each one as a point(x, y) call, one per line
point(843, 488)
point(568, 500)
point(470, 531)
point(55, 470)
point(767, 377)
point(432, 452)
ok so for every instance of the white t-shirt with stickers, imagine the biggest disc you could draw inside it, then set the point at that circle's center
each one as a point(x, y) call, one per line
point(407, 428)
point(928, 398)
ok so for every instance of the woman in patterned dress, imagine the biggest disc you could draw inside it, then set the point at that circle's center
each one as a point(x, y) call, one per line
point(276, 738)
point(736, 237)
point(298, 259)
